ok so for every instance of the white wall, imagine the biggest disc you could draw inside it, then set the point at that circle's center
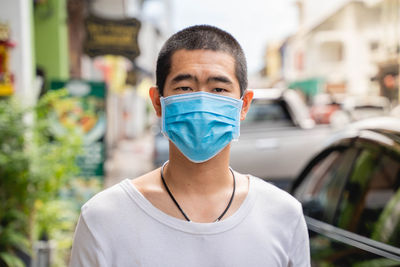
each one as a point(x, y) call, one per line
point(356, 54)
point(17, 14)
point(149, 47)
point(352, 28)
point(316, 10)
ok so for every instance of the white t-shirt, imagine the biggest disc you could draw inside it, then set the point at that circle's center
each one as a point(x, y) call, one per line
point(120, 227)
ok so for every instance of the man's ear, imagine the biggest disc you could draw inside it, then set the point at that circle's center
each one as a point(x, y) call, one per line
point(247, 97)
point(155, 99)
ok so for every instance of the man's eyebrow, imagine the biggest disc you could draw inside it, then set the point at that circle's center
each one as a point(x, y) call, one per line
point(222, 79)
point(183, 77)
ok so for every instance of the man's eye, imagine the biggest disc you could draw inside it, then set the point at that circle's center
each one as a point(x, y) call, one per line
point(219, 90)
point(183, 88)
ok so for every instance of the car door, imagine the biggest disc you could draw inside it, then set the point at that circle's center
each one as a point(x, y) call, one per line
point(349, 195)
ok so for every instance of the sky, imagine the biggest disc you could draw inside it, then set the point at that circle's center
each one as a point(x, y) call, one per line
point(254, 23)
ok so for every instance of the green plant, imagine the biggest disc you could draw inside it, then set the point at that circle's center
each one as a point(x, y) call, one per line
point(53, 164)
point(15, 204)
point(35, 165)
point(55, 220)
point(52, 156)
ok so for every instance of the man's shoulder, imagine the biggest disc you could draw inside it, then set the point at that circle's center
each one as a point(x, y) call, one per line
point(117, 199)
point(106, 201)
point(272, 195)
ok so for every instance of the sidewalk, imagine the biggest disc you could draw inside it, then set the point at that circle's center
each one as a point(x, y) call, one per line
point(130, 159)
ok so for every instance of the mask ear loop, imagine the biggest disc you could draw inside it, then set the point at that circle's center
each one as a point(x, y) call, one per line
point(241, 107)
point(239, 113)
point(163, 116)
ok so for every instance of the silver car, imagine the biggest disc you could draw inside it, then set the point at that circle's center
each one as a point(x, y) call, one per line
point(277, 137)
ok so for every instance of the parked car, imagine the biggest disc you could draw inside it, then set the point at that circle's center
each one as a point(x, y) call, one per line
point(357, 108)
point(277, 137)
point(350, 192)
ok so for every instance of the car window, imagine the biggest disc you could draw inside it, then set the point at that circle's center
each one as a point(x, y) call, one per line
point(368, 205)
point(332, 248)
point(267, 112)
point(321, 188)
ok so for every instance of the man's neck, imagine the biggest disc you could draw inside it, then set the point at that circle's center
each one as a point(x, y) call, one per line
point(198, 178)
point(202, 190)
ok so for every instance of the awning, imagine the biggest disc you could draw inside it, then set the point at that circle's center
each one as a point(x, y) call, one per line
point(310, 87)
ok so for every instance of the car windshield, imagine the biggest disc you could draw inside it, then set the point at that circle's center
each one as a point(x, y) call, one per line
point(269, 113)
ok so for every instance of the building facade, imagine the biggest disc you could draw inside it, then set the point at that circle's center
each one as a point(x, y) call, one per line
point(343, 48)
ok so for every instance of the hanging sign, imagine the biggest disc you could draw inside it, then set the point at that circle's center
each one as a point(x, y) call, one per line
point(112, 37)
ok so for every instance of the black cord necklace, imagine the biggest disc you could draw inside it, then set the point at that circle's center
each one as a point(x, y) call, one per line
point(179, 207)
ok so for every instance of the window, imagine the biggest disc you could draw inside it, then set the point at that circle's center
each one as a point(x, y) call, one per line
point(373, 46)
point(371, 198)
point(328, 251)
point(331, 52)
point(322, 187)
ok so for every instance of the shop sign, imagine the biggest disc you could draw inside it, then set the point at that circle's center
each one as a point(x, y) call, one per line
point(83, 109)
point(112, 37)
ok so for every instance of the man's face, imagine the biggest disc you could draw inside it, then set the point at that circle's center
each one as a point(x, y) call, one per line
point(202, 70)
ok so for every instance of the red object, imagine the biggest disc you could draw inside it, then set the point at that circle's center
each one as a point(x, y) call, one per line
point(322, 113)
point(8, 43)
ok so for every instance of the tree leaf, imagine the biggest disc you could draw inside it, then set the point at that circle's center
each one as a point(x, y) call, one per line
point(11, 260)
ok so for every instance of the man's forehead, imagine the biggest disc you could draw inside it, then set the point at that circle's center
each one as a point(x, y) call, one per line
point(202, 65)
point(193, 52)
point(184, 59)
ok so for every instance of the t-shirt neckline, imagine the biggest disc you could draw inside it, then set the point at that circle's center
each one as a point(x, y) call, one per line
point(192, 227)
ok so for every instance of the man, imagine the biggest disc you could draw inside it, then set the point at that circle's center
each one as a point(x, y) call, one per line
point(195, 210)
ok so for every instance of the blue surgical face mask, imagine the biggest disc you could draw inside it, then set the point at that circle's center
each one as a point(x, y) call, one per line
point(200, 124)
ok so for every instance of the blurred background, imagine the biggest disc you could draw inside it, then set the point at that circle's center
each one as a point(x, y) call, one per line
point(75, 116)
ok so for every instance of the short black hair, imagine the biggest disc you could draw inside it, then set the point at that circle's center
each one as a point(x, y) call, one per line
point(201, 37)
